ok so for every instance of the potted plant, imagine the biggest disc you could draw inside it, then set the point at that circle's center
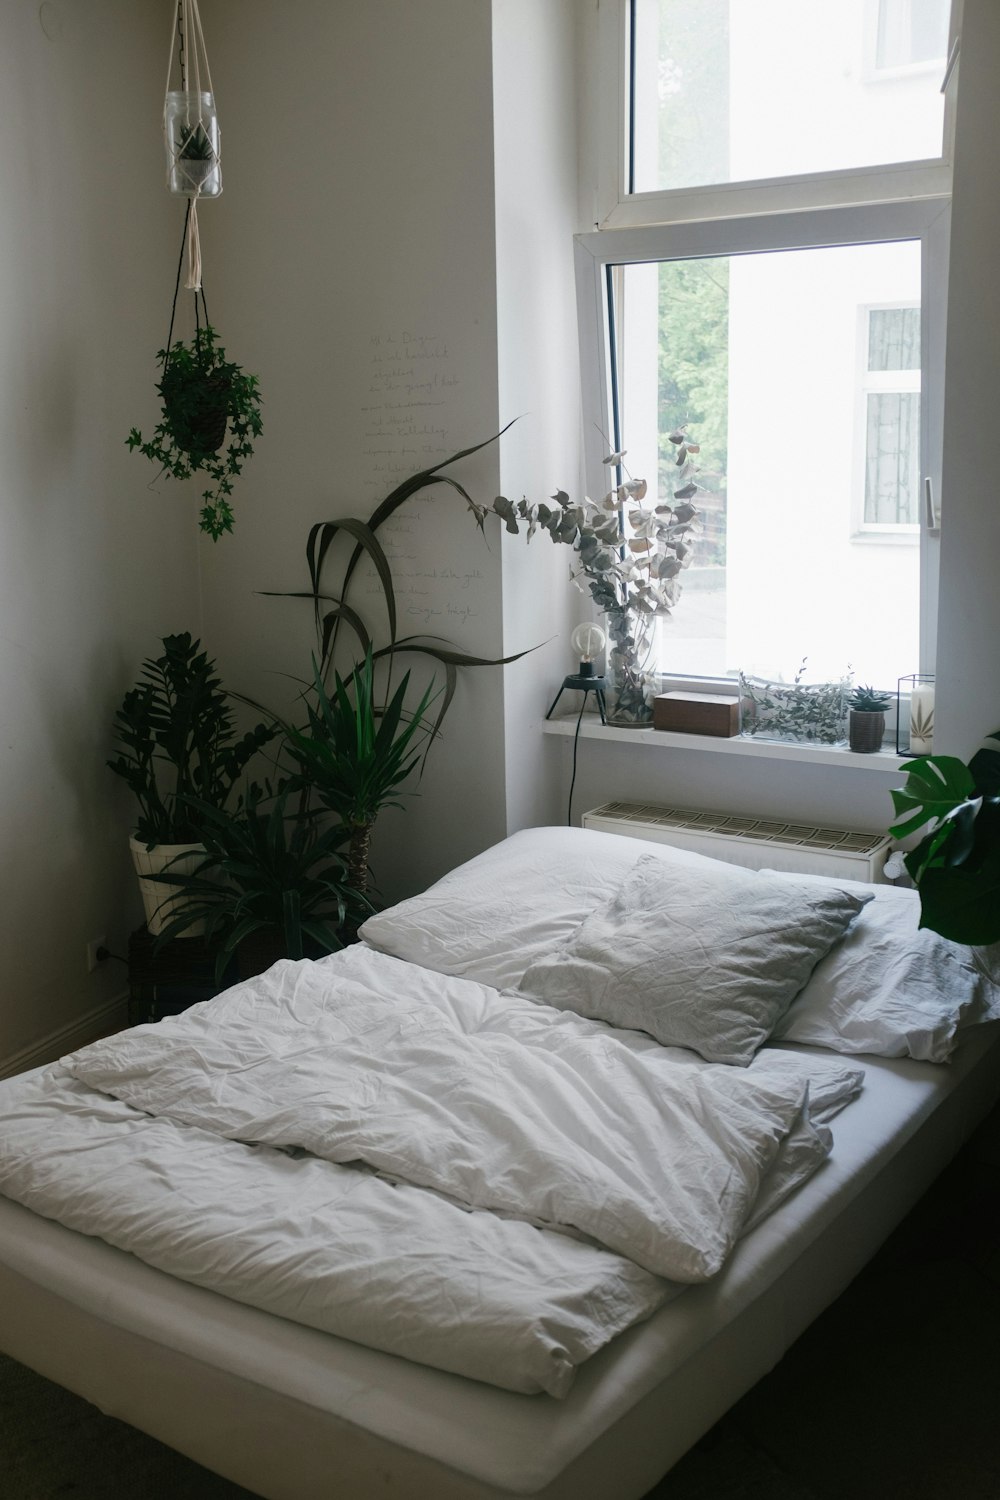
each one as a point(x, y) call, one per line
point(269, 884)
point(956, 864)
point(629, 558)
point(203, 394)
point(866, 719)
point(355, 755)
point(193, 155)
point(176, 741)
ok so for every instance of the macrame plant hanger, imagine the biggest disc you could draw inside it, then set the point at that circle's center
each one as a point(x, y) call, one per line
point(191, 132)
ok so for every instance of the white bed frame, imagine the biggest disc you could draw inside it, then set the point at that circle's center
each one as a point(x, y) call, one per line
point(293, 1414)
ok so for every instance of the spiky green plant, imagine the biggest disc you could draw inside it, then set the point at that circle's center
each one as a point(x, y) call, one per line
point(268, 867)
point(868, 700)
point(355, 756)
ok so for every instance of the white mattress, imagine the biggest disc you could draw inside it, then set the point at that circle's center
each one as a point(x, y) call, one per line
point(281, 1409)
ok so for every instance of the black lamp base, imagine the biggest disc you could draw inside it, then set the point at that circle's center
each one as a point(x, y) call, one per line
point(582, 682)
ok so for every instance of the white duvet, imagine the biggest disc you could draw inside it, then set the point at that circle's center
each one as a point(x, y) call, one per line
point(419, 1163)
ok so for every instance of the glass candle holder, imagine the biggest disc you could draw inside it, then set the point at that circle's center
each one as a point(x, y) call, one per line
point(915, 714)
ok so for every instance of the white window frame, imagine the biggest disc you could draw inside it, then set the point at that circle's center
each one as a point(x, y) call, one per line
point(909, 200)
point(614, 207)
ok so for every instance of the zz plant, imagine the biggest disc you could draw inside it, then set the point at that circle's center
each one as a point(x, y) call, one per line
point(176, 741)
point(204, 395)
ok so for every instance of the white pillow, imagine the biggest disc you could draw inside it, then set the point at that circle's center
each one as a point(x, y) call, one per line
point(489, 918)
point(702, 957)
point(889, 987)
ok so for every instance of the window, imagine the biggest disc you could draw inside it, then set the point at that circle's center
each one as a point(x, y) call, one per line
point(792, 324)
point(738, 90)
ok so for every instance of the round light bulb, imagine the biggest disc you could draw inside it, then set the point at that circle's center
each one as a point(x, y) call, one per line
point(588, 640)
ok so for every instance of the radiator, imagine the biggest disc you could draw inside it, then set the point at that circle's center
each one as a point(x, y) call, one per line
point(753, 842)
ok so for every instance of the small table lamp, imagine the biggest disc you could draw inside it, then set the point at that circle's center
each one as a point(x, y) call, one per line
point(587, 640)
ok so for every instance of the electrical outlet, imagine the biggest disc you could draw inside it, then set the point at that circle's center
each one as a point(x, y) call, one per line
point(93, 947)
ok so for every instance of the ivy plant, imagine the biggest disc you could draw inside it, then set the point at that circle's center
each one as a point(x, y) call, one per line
point(204, 395)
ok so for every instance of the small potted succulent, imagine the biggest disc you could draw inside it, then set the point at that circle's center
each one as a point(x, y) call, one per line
point(867, 719)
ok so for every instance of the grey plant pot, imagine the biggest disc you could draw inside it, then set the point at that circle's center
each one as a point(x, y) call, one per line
point(865, 730)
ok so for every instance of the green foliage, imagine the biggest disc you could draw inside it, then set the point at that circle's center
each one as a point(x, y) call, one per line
point(628, 557)
point(203, 394)
point(193, 144)
point(354, 755)
point(868, 700)
point(693, 383)
point(956, 865)
point(807, 712)
point(177, 741)
point(267, 868)
point(334, 606)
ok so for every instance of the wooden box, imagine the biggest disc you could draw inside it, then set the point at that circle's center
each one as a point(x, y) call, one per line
point(697, 713)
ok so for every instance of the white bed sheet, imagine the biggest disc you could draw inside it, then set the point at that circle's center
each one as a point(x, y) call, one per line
point(280, 1408)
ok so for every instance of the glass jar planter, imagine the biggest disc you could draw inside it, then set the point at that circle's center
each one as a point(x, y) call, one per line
point(192, 139)
point(800, 712)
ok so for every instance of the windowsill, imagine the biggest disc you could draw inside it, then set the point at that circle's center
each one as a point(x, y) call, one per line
point(838, 756)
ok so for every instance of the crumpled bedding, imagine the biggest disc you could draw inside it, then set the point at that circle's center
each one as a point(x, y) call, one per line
point(418, 1163)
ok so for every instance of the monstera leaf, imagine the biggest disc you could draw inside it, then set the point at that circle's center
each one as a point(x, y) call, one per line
point(937, 788)
point(956, 866)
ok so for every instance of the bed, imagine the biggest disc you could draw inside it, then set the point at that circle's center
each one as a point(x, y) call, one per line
point(555, 1341)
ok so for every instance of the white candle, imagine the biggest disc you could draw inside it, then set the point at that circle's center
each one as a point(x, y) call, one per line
point(922, 719)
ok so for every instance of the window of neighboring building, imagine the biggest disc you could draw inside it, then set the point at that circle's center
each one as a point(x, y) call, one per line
point(910, 33)
point(891, 419)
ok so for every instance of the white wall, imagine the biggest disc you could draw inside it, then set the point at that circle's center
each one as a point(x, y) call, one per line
point(534, 100)
point(968, 660)
point(351, 262)
point(93, 566)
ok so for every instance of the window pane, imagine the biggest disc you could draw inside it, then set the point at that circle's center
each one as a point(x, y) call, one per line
point(892, 458)
point(894, 338)
point(763, 359)
point(734, 90)
point(910, 31)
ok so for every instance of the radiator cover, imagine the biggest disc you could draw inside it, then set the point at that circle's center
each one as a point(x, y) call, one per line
point(753, 842)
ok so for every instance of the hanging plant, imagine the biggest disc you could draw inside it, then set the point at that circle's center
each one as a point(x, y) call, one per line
point(204, 396)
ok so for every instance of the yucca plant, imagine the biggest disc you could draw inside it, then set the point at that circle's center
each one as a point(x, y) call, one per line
point(333, 610)
point(269, 868)
point(355, 756)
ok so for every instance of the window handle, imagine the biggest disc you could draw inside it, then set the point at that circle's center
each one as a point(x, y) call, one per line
point(930, 514)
